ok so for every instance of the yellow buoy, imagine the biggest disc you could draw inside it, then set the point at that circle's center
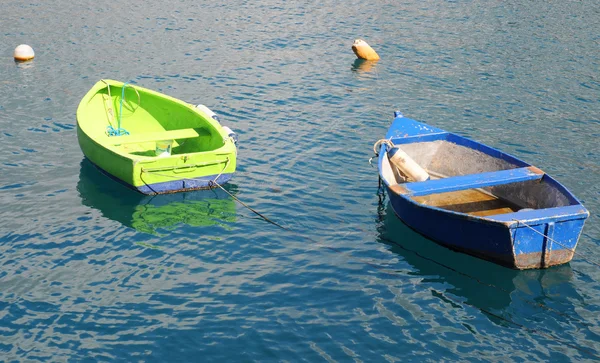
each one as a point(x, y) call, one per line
point(23, 53)
point(364, 50)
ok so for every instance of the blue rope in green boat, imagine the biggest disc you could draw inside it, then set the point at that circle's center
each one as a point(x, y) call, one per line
point(111, 131)
point(119, 131)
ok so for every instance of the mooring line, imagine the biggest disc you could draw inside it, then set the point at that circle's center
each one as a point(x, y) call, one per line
point(396, 273)
point(315, 242)
point(536, 304)
point(213, 183)
point(387, 271)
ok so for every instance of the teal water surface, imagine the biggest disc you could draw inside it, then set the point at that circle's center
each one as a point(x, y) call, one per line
point(92, 271)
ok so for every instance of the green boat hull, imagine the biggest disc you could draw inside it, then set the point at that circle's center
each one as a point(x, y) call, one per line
point(200, 153)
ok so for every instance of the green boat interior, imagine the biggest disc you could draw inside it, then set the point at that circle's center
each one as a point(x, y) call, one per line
point(148, 120)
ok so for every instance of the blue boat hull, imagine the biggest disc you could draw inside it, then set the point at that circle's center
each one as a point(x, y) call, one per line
point(509, 244)
point(525, 238)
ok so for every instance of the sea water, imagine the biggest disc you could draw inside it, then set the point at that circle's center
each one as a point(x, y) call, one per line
point(91, 270)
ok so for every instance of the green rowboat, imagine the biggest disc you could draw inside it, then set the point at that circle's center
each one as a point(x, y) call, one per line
point(152, 142)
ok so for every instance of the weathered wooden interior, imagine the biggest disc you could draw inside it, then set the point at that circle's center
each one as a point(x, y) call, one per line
point(444, 159)
point(471, 201)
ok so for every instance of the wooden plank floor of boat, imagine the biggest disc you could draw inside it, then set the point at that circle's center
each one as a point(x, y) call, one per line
point(471, 201)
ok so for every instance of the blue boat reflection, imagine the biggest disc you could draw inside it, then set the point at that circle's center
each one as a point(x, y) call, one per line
point(475, 282)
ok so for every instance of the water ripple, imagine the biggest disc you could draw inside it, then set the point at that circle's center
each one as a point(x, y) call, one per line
point(93, 271)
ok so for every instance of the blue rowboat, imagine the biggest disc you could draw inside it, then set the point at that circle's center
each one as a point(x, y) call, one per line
point(476, 199)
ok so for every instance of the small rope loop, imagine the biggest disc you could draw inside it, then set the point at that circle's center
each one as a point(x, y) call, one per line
point(111, 131)
point(217, 177)
point(378, 144)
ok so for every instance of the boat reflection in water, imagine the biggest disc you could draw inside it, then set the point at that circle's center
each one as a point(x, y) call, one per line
point(484, 285)
point(150, 214)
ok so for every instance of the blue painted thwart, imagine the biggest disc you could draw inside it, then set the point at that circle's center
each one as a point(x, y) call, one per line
point(480, 200)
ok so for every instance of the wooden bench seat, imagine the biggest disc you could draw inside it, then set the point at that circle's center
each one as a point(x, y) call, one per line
point(470, 181)
point(154, 136)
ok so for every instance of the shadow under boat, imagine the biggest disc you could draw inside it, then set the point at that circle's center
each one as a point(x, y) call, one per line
point(476, 282)
point(149, 214)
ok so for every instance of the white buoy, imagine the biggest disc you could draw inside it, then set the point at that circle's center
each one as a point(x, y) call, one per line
point(23, 53)
point(364, 50)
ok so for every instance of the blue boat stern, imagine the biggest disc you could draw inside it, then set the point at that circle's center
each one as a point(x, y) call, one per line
point(544, 238)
